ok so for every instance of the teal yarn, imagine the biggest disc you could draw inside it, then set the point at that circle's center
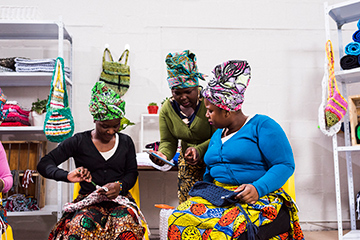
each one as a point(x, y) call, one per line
point(352, 48)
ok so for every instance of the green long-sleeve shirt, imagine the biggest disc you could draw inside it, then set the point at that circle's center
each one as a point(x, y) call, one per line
point(172, 129)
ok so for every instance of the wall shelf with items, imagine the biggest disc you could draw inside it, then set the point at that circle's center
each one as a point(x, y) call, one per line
point(146, 120)
point(343, 13)
point(41, 33)
point(20, 79)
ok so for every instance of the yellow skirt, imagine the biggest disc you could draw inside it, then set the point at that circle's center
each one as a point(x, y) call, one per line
point(197, 218)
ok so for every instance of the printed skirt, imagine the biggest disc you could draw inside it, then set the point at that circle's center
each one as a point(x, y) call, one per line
point(199, 219)
point(188, 175)
point(3, 219)
point(104, 220)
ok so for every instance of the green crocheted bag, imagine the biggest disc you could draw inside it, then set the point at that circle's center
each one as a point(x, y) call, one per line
point(116, 75)
point(59, 123)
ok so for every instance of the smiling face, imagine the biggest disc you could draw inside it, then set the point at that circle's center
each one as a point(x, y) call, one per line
point(217, 117)
point(106, 130)
point(186, 97)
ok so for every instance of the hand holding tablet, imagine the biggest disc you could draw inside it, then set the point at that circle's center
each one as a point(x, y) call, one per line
point(161, 158)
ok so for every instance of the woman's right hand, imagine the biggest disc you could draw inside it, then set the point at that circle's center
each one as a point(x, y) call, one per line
point(79, 174)
point(155, 159)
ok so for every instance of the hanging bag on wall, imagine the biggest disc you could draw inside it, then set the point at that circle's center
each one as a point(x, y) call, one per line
point(336, 106)
point(116, 75)
point(59, 123)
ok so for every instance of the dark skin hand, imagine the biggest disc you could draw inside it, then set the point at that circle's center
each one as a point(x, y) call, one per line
point(191, 156)
point(248, 193)
point(82, 174)
point(79, 174)
point(113, 190)
point(155, 159)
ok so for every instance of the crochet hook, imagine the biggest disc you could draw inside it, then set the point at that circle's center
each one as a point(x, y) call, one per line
point(97, 186)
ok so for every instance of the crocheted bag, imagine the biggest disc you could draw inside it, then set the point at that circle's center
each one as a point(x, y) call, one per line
point(116, 75)
point(218, 196)
point(336, 106)
point(59, 123)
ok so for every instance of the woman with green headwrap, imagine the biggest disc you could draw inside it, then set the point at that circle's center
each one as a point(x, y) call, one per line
point(182, 117)
point(106, 168)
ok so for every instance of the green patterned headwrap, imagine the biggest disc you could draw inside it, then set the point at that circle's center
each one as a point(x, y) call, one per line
point(105, 103)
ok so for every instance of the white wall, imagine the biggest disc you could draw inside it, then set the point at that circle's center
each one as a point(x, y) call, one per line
point(283, 40)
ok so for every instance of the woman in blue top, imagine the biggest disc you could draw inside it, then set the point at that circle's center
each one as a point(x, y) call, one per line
point(248, 155)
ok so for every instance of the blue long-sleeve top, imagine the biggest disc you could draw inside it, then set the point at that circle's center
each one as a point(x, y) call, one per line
point(258, 154)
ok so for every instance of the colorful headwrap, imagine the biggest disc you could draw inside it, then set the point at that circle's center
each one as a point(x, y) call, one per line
point(105, 103)
point(3, 114)
point(182, 70)
point(226, 89)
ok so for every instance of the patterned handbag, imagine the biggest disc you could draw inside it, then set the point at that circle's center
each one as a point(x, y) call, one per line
point(59, 123)
point(336, 106)
point(116, 75)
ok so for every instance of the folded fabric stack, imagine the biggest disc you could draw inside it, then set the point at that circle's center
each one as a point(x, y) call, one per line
point(352, 50)
point(16, 116)
point(37, 65)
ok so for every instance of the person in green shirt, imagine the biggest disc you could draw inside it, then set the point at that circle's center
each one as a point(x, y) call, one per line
point(182, 117)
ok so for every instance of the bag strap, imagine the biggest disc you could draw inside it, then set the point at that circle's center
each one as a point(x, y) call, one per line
point(109, 53)
point(126, 54)
point(330, 57)
point(333, 87)
point(58, 84)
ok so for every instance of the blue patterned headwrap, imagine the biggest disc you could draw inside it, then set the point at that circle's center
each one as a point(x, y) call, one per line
point(182, 70)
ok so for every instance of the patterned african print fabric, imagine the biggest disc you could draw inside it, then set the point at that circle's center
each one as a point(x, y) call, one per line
point(3, 219)
point(226, 90)
point(182, 70)
point(105, 103)
point(188, 175)
point(104, 220)
point(199, 219)
point(2, 103)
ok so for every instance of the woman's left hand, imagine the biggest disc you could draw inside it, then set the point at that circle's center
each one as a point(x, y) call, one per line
point(113, 190)
point(191, 156)
point(247, 193)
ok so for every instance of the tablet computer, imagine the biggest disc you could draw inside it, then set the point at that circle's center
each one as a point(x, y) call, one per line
point(161, 158)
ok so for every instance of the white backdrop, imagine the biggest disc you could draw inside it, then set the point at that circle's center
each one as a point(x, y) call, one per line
point(283, 40)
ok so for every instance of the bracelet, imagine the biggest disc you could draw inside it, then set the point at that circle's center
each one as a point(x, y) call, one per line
point(120, 183)
point(3, 185)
